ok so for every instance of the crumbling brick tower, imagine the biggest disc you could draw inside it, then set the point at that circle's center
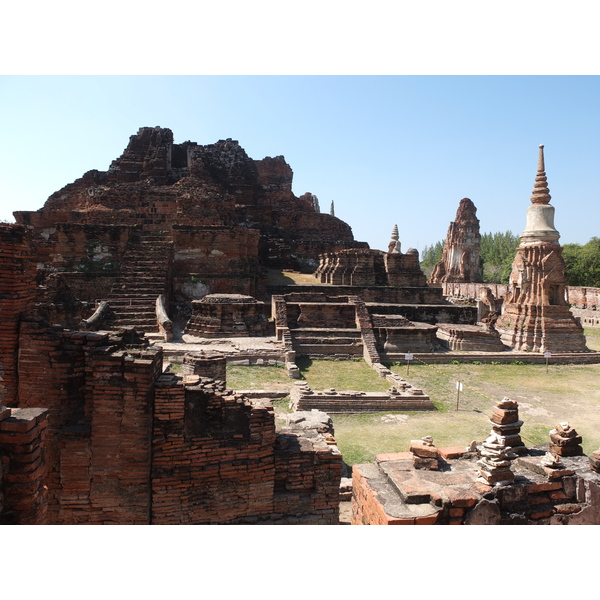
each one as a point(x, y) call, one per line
point(460, 259)
point(536, 315)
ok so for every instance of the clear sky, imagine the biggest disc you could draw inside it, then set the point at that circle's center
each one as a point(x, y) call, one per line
point(395, 113)
point(385, 149)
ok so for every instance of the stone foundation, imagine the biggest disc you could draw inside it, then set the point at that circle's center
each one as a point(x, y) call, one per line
point(402, 396)
point(228, 315)
point(394, 492)
point(471, 338)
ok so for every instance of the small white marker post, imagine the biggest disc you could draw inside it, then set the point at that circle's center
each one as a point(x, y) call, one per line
point(459, 387)
point(408, 357)
point(547, 356)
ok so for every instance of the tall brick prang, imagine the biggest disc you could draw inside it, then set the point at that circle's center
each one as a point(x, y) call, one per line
point(460, 259)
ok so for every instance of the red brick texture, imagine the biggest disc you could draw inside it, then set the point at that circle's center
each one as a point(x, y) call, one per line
point(17, 293)
point(23, 467)
point(213, 459)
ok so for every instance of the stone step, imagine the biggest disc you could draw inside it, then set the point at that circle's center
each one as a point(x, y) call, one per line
point(324, 333)
point(327, 350)
point(315, 341)
point(138, 314)
point(132, 301)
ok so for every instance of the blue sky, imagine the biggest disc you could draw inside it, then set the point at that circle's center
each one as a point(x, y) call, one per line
point(385, 149)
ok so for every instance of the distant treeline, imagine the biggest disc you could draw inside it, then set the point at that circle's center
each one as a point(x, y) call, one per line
point(498, 252)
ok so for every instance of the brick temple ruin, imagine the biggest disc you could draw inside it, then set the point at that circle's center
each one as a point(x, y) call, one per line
point(120, 270)
point(460, 258)
point(495, 482)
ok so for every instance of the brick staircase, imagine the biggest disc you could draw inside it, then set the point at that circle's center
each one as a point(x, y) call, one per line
point(145, 274)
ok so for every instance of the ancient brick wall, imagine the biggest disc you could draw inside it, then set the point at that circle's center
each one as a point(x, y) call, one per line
point(17, 293)
point(99, 422)
point(121, 386)
point(307, 479)
point(384, 294)
point(213, 454)
point(52, 374)
point(22, 466)
point(81, 247)
point(578, 297)
point(104, 464)
point(225, 259)
point(584, 297)
point(472, 290)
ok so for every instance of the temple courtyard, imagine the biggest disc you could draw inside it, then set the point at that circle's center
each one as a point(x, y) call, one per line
point(566, 392)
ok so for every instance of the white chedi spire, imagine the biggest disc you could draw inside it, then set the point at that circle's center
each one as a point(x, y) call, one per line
point(540, 214)
point(394, 245)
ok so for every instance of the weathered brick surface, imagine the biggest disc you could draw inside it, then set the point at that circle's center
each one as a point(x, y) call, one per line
point(394, 486)
point(307, 478)
point(23, 495)
point(460, 259)
point(17, 293)
point(228, 315)
point(213, 454)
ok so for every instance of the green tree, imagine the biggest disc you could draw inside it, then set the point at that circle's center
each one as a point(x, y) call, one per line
point(583, 263)
point(497, 254)
point(432, 255)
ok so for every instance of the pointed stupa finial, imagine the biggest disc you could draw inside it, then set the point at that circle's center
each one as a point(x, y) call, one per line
point(394, 245)
point(332, 209)
point(541, 193)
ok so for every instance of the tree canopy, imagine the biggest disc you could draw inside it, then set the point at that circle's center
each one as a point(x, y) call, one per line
point(583, 263)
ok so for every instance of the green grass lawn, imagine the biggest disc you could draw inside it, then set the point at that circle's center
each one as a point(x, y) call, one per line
point(565, 393)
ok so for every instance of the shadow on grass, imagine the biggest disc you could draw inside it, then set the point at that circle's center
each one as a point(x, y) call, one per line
point(279, 278)
point(304, 364)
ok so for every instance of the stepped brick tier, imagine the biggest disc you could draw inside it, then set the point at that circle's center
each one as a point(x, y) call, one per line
point(408, 295)
point(215, 212)
point(401, 397)
point(473, 338)
point(460, 258)
point(362, 267)
point(485, 484)
point(536, 315)
point(397, 336)
point(228, 315)
point(317, 323)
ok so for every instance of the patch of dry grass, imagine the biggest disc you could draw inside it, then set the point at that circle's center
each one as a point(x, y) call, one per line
point(278, 277)
point(258, 378)
point(566, 393)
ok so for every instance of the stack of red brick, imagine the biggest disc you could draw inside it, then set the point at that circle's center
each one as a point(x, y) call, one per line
point(565, 441)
